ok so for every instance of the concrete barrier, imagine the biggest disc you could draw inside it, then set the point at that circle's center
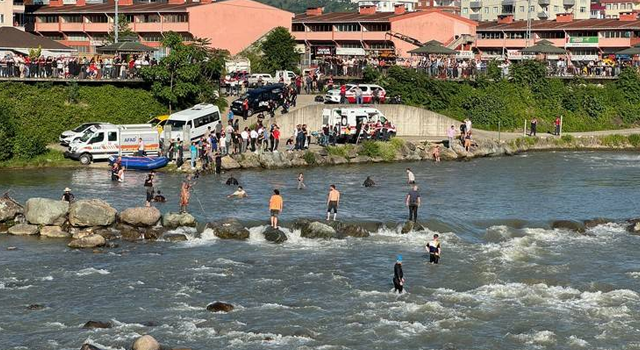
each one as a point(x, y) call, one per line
point(410, 121)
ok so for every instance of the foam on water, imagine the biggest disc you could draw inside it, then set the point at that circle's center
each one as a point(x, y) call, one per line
point(91, 271)
point(545, 338)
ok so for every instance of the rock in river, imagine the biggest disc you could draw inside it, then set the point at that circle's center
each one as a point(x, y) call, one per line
point(97, 324)
point(411, 226)
point(23, 230)
point(92, 241)
point(87, 346)
point(175, 220)
point(146, 342)
point(9, 208)
point(568, 225)
point(318, 230)
point(43, 211)
point(274, 235)
point(229, 229)
point(53, 232)
point(220, 307)
point(91, 212)
point(175, 237)
point(141, 216)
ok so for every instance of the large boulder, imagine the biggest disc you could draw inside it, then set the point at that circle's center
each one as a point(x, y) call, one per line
point(175, 220)
point(175, 237)
point(350, 230)
point(274, 235)
point(44, 211)
point(410, 226)
point(91, 212)
point(229, 163)
point(87, 346)
point(220, 307)
point(92, 241)
point(141, 216)
point(23, 230)
point(272, 160)
point(336, 160)
point(569, 225)
point(146, 342)
point(318, 230)
point(9, 208)
point(229, 229)
point(97, 324)
point(249, 161)
point(53, 232)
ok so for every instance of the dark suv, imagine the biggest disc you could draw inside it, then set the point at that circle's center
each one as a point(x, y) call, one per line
point(259, 99)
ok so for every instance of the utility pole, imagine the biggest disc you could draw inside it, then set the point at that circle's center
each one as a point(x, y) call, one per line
point(528, 34)
point(116, 26)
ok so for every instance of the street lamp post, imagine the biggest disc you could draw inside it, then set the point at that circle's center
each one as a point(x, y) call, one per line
point(115, 27)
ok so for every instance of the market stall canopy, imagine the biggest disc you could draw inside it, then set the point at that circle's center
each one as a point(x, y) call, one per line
point(17, 41)
point(635, 50)
point(433, 47)
point(125, 47)
point(544, 47)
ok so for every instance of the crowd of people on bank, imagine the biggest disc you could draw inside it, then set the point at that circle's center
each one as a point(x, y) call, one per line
point(105, 67)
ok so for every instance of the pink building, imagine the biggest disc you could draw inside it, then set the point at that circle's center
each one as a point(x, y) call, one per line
point(371, 33)
point(232, 24)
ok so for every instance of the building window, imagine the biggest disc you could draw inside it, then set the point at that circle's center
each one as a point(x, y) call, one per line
point(176, 18)
point(514, 35)
point(533, 9)
point(152, 37)
point(465, 10)
point(490, 35)
point(320, 27)
point(616, 34)
point(348, 27)
point(53, 36)
point(556, 9)
point(486, 10)
point(376, 27)
point(80, 49)
point(97, 19)
point(495, 9)
point(297, 27)
point(521, 8)
point(381, 46)
point(149, 18)
point(1, 18)
point(72, 19)
point(550, 35)
point(77, 37)
point(48, 19)
point(608, 6)
point(583, 9)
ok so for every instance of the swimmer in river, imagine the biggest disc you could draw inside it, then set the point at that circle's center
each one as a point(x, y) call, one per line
point(185, 194)
point(159, 198)
point(333, 200)
point(368, 182)
point(232, 181)
point(411, 178)
point(398, 276)
point(433, 248)
point(301, 184)
point(239, 193)
point(67, 196)
point(148, 184)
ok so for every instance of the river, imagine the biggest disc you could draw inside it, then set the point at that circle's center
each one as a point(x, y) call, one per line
point(506, 281)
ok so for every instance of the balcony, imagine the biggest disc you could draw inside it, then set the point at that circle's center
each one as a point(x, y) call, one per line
point(508, 2)
point(175, 26)
point(47, 27)
point(98, 27)
point(475, 4)
point(71, 27)
point(568, 3)
point(544, 2)
point(543, 14)
point(475, 17)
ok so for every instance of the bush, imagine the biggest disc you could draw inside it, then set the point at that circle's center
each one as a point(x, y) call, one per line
point(567, 138)
point(340, 151)
point(614, 140)
point(397, 143)
point(7, 132)
point(634, 140)
point(370, 149)
point(310, 158)
point(387, 151)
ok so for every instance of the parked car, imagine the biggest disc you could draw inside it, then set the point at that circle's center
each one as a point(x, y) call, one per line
point(284, 77)
point(260, 79)
point(234, 79)
point(259, 99)
point(333, 95)
point(349, 120)
point(195, 120)
point(69, 135)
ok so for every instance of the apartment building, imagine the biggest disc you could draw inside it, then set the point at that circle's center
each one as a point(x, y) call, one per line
point(388, 5)
point(384, 34)
point(12, 13)
point(584, 39)
point(452, 6)
point(490, 10)
point(232, 25)
point(613, 8)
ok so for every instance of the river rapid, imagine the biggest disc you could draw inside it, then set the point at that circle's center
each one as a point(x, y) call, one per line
point(506, 280)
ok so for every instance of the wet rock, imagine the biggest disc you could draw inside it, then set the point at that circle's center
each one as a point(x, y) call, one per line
point(249, 161)
point(108, 234)
point(44, 211)
point(228, 163)
point(360, 159)
point(152, 233)
point(410, 226)
point(91, 212)
point(447, 154)
point(36, 307)
point(272, 160)
point(318, 230)
point(4, 227)
point(53, 232)
point(92, 241)
point(175, 237)
point(596, 222)
point(23, 230)
point(410, 146)
point(140, 216)
point(568, 225)
point(130, 233)
point(9, 208)
point(150, 324)
point(274, 235)
point(634, 227)
point(220, 307)
point(97, 324)
point(89, 347)
point(229, 229)
point(350, 230)
point(146, 342)
point(175, 220)
point(336, 160)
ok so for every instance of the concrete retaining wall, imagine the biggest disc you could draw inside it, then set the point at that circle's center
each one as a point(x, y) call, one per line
point(410, 121)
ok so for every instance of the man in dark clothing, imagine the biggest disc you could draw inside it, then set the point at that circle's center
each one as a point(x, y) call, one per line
point(232, 181)
point(218, 163)
point(413, 203)
point(67, 196)
point(180, 151)
point(368, 182)
point(434, 250)
point(148, 184)
point(398, 276)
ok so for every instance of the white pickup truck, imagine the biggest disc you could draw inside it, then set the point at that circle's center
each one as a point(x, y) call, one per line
point(282, 76)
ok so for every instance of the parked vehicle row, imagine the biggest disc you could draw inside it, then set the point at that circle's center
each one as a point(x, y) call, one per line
point(369, 93)
point(258, 99)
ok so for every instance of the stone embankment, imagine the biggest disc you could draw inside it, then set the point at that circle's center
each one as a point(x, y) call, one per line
point(399, 150)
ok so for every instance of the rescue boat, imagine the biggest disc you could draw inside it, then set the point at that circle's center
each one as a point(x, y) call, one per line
point(141, 163)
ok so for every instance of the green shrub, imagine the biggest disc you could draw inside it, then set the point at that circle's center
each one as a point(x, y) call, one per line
point(7, 132)
point(614, 140)
point(370, 149)
point(567, 138)
point(339, 151)
point(634, 140)
point(310, 158)
point(387, 151)
point(397, 143)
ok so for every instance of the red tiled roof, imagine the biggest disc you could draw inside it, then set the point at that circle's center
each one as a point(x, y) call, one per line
point(109, 8)
point(576, 24)
point(379, 17)
point(13, 38)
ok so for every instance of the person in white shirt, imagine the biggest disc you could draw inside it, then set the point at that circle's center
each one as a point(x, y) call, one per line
point(141, 152)
point(239, 193)
point(245, 140)
point(468, 123)
point(411, 178)
point(254, 139)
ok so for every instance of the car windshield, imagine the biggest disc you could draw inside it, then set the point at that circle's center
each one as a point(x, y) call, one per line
point(87, 136)
point(176, 125)
point(81, 127)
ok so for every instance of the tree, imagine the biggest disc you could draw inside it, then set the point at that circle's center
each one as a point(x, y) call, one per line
point(124, 30)
point(7, 132)
point(187, 75)
point(279, 51)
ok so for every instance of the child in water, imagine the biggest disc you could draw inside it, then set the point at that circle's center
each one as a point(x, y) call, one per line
point(436, 153)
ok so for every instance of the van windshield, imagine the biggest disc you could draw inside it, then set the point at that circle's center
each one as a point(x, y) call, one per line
point(81, 127)
point(86, 136)
point(176, 125)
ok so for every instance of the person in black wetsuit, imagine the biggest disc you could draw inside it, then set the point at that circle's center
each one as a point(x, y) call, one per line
point(67, 196)
point(368, 182)
point(232, 181)
point(398, 276)
point(148, 184)
point(218, 163)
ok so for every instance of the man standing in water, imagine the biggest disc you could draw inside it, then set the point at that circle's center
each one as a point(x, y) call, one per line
point(148, 184)
point(275, 206)
point(433, 248)
point(333, 200)
point(411, 179)
point(413, 203)
point(301, 184)
point(398, 276)
point(185, 194)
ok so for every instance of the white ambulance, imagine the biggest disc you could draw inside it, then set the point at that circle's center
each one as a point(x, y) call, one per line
point(348, 119)
point(107, 140)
